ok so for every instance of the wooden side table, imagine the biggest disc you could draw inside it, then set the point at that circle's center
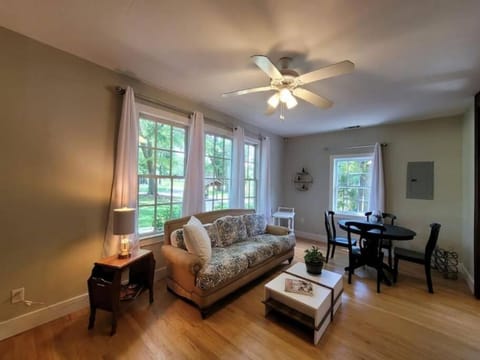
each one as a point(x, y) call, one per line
point(104, 285)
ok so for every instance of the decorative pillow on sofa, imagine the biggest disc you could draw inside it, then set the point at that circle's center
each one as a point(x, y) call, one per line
point(197, 239)
point(177, 240)
point(230, 229)
point(255, 224)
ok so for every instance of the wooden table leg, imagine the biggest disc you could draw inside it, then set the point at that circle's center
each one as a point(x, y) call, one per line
point(91, 320)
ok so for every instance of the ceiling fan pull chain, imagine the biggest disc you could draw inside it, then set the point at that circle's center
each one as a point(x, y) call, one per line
point(282, 107)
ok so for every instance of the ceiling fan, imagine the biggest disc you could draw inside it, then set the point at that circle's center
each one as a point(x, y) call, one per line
point(287, 83)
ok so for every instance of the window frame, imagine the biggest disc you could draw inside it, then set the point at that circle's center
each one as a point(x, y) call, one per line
point(163, 117)
point(218, 132)
point(256, 144)
point(332, 187)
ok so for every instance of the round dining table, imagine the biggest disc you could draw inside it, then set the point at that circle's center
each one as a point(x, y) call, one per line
point(391, 232)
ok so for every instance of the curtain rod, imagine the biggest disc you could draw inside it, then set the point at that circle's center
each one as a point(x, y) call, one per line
point(121, 91)
point(356, 147)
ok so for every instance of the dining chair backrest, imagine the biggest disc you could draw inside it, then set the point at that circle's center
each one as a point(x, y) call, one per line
point(384, 216)
point(432, 241)
point(389, 216)
point(364, 228)
point(332, 222)
point(328, 227)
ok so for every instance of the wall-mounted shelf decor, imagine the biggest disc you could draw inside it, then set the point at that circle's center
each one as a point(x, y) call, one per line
point(303, 180)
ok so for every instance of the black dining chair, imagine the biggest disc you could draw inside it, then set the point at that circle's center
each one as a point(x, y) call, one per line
point(332, 239)
point(386, 244)
point(369, 253)
point(419, 257)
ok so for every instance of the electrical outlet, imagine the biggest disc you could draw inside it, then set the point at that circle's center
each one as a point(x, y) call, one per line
point(17, 295)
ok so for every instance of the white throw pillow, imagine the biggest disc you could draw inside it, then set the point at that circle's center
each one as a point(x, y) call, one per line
point(197, 240)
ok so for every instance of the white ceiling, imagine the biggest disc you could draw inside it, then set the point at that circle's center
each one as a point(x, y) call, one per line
point(414, 59)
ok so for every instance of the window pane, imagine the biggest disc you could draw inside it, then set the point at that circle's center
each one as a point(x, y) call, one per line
point(228, 148)
point(145, 160)
point(209, 145)
point(178, 164)
point(164, 191)
point(163, 162)
point(252, 190)
point(250, 174)
point(163, 214)
point(164, 136)
point(219, 146)
point(178, 139)
point(177, 190)
point(146, 132)
point(176, 211)
point(146, 191)
point(145, 219)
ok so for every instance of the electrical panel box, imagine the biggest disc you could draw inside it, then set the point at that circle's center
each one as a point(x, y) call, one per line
point(420, 180)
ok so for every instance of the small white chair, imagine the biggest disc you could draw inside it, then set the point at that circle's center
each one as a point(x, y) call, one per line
point(285, 213)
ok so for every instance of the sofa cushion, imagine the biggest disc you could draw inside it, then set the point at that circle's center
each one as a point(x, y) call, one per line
point(279, 243)
point(197, 240)
point(256, 252)
point(225, 264)
point(230, 229)
point(212, 233)
point(255, 224)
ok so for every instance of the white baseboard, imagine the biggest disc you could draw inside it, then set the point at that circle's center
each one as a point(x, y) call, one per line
point(468, 277)
point(48, 313)
point(41, 316)
point(311, 236)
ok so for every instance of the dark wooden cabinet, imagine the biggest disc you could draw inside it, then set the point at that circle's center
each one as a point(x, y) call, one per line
point(104, 285)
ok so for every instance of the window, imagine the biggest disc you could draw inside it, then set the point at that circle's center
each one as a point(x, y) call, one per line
point(351, 183)
point(251, 180)
point(161, 172)
point(218, 170)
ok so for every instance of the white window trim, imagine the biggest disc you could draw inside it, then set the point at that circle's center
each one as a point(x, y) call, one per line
point(331, 185)
point(161, 114)
point(256, 142)
point(211, 129)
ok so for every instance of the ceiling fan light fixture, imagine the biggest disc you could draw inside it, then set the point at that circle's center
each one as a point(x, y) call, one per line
point(285, 95)
point(291, 102)
point(274, 100)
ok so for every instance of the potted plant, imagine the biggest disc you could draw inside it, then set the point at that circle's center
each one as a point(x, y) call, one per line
point(314, 260)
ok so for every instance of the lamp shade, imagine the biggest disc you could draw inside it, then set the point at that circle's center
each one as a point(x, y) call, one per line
point(123, 221)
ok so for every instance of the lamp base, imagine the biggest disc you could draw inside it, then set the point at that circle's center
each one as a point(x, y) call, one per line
point(124, 256)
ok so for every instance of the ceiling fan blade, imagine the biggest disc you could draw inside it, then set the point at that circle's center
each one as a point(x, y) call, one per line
point(340, 68)
point(270, 110)
point(267, 66)
point(247, 91)
point(312, 98)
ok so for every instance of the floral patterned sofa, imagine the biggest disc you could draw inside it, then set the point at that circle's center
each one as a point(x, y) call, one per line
point(243, 248)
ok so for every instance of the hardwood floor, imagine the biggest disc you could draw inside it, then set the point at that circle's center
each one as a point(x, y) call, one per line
point(403, 322)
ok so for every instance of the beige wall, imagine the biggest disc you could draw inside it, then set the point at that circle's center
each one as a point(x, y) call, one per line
point(57, 139)
point(468, 175)
point(437, 140)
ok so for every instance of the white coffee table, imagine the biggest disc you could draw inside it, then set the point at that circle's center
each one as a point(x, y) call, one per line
point(315, 311)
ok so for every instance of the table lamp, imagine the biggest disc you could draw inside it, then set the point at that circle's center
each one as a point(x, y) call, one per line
point(124, 225)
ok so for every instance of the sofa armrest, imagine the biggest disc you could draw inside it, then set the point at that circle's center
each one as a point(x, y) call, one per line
point(276, 230)
point(182, 259)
